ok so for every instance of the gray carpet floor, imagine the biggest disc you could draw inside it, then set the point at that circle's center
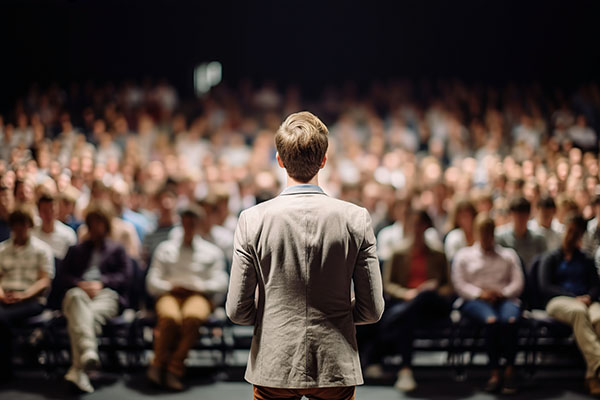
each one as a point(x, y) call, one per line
point(433, 384)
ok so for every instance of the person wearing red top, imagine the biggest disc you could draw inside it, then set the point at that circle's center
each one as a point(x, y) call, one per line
point(416, 282)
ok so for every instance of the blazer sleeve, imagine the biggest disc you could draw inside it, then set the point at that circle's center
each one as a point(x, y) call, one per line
point(240, 305)
point(368, 289)
point(117, 276)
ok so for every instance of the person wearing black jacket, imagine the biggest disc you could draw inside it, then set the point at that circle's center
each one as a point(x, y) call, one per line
point(569, 284)
point(94, 278)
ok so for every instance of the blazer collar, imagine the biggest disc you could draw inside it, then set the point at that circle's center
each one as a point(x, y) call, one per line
point(302, 189)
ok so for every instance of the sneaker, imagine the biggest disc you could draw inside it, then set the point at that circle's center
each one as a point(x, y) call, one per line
point(374, 371)
point(90, 361)
point(154, 374)
point(405, 382)
point(79, 379)
point(173, 382)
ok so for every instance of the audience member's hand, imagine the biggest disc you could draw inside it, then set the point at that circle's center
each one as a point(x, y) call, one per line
point(489, 296)
point(16, 297)
point(410, 294)
point(431, 284)
point(585, 299)
point(91, 288)
point(8, 298)
point(181, 291)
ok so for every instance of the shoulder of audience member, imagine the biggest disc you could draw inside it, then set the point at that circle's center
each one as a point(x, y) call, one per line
point(39, 245)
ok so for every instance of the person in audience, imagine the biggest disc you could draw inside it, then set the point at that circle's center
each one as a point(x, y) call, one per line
point(95, 278)
point(6, 204)
point(66, 207)
point(120, 196)
point(392, 235)
point(569, 283)
point(489, 279)
point(165, 202)
point(591, 239)
point(186, 275)
point(121, 231)
point(26, 271)
point(53, 232)
point(527, 243)
point(416, 280)
point(542, 224)
point(462, 233)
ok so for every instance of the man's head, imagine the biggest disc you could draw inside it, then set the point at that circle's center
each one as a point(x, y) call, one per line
point(166, 200)
point(546, 211)
point(520, 210)
point(192, 217)
point(98, 218)
point(419, 221)
point(575, 227)
point(21, 221)
point(484, 227)
point(47, 208)
point(302, 143)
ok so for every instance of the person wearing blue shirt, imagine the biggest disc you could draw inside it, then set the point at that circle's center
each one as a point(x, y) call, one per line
point(570, 285)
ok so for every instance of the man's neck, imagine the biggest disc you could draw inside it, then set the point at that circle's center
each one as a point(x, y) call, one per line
point(48, 226)
point(19, 242)
point(166, 220)
point(292, 182)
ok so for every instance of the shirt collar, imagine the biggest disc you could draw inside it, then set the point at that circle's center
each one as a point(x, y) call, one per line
point(303, 188)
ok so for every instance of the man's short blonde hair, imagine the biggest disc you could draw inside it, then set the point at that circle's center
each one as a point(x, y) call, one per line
point(302, 143)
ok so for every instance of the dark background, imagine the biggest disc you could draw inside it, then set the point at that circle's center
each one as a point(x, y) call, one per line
point(310, 43)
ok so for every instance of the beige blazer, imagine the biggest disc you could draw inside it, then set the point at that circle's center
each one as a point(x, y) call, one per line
point(295, 259)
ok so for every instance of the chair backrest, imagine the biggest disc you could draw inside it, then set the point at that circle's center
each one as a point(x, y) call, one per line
point(532, 295)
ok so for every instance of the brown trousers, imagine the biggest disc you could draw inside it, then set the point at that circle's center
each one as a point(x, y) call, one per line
point(179, 320)
point(331, 393)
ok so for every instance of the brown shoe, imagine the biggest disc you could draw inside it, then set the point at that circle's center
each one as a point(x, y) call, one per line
point(154, 374)
point(173, 382)
point(593, 385)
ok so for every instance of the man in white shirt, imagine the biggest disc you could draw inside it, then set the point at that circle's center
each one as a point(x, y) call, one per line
point(542, 224)
point(186, 274)
point(26, 270)
point(53, 232)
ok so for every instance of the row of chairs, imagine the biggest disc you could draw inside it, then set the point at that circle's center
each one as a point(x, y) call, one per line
point(127, 338)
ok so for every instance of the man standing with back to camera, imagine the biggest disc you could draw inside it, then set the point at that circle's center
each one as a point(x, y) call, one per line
point(303, 250)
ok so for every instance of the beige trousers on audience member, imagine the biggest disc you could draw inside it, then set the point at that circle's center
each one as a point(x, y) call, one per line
point(585, 322)
point(177, 329)
point(85, 318)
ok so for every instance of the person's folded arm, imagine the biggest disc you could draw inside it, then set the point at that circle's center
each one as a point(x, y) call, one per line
point(240, 305)
point(155, 282)
point(368, 289)
point(462, 286)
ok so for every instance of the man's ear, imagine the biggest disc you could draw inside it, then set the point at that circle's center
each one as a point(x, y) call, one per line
point(279, 160)
point(324, 161)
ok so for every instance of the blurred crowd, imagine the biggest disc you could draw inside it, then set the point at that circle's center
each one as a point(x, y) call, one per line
point(442, 168)
point(430, 143)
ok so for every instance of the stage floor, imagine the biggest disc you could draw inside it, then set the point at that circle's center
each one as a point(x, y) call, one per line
point(433, 385)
